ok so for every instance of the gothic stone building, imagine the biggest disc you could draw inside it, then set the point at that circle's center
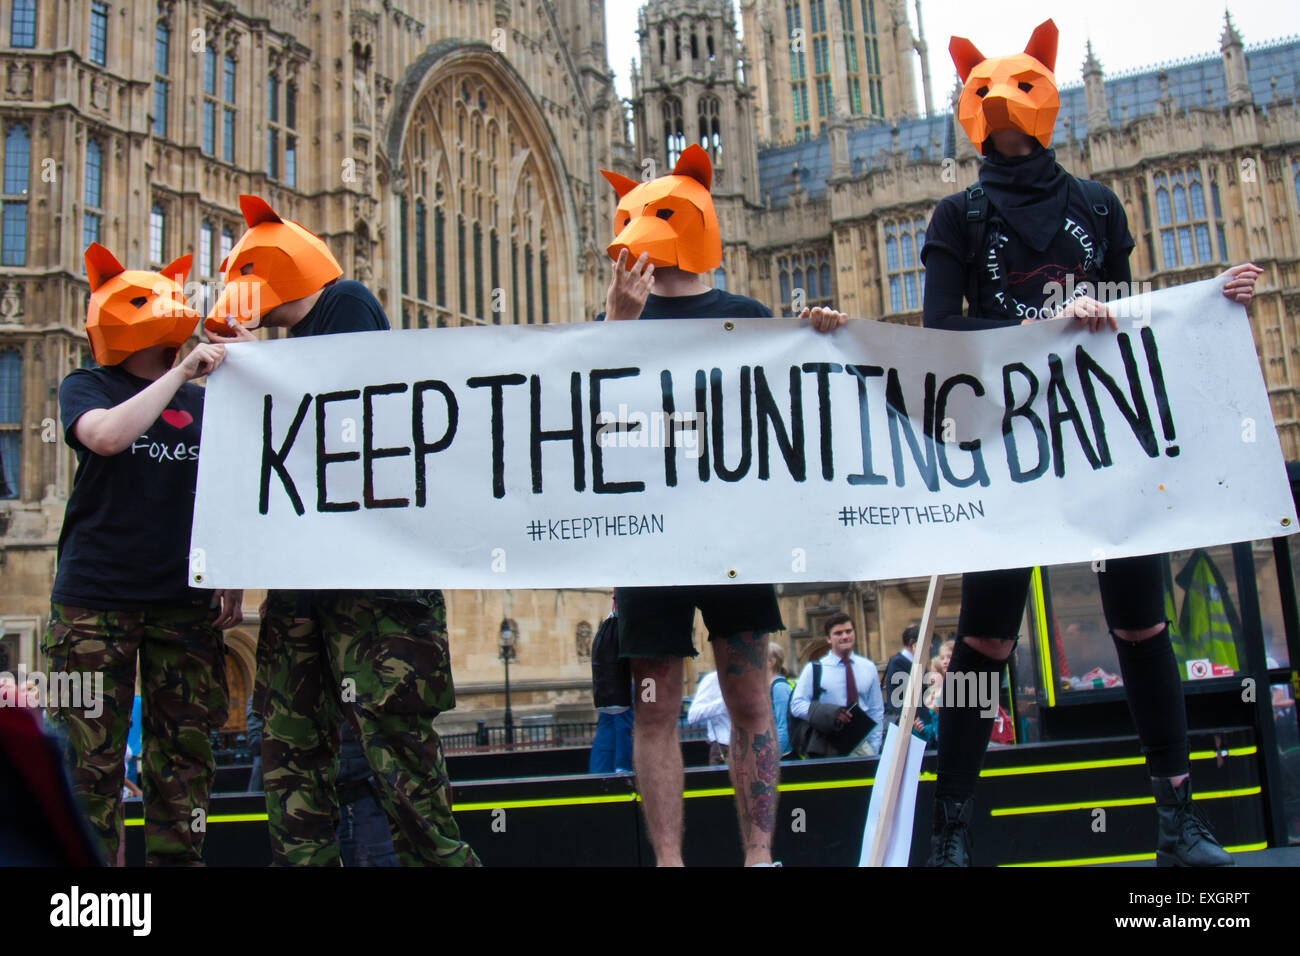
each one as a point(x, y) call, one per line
point(443, 150)
point(449, 153)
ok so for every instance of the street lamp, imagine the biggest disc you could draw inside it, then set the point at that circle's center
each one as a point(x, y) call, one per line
point(508, 652)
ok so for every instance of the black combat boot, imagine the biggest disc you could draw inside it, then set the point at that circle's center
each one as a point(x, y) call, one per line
point(950, 841)
point(1185, 837)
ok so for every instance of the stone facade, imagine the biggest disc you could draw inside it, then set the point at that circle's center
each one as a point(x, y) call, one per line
point(447, 152)
point(816, 62)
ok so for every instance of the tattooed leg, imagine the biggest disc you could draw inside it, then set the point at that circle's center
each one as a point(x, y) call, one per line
point(744, 652)
point(755, 757)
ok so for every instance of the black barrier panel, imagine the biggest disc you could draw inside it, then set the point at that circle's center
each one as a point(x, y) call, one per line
point(236, 831)
point(551, 762)
point(1037, 803)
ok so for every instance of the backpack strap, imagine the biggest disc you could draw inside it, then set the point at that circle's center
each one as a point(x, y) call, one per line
point(817, 680)
point(977, 217)
point(982, 220)
point(1094, 197)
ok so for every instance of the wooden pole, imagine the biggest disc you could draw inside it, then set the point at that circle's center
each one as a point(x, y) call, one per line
point(893, 783)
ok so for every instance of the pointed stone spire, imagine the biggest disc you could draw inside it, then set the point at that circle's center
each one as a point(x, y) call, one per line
point(1166, 98)
point(1234, 62)
point(1095, 93)
point(1230, 36)
point(1091, 64)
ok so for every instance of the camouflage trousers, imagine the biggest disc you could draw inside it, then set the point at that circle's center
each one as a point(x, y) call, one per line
point(182, 668)
point(381, 661)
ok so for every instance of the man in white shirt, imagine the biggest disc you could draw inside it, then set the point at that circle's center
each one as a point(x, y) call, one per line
point(708, 707)
point(847, 681)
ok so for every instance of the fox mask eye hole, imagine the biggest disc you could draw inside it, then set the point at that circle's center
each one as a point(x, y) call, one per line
point(1025, 87)
point(138, 301)
point(664, 213)
point(982, 92)
point(246, 268)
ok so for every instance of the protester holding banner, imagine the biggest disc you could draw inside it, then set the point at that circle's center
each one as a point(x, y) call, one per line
point(385, 651)
point(1016, 246)
point(668, 229)
point(122, 589)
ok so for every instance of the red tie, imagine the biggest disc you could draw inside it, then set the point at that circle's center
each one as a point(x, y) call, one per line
point(850, 684)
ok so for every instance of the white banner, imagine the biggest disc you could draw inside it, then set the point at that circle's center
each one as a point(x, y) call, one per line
point(713, 451)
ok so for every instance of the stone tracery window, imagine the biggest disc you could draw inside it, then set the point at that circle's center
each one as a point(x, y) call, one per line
point(157, 233)
point(22, 24)
point(798, 70)
point(905, 275)
point(161, 83)
point(11, 418)
point(805, 279)
point(227, 243)
point(674, 131)
point(711, 128)
point(464, 144)
point(1182, 218)
point(228, 110)
point(92, 212)
point(13, 201)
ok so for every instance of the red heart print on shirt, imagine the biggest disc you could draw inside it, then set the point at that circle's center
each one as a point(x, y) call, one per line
point(176, 418)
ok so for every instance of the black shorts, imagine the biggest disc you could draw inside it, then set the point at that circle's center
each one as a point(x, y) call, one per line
point(657, 622)
point(1132, 597)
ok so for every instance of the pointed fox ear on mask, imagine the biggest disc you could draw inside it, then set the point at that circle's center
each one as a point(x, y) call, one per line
point(670, 218)
point(275, 261)
point(134, 309)
point(1008, 92)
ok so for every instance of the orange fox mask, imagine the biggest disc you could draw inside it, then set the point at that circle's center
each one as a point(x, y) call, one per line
point(670, 218)
point(275, 261)
point(1008, 92)
point(133, 309)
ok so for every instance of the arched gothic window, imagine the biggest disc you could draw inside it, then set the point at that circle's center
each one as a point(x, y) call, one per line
point(710, 127)
point(1183, 220)
point(905, 278)
point(674, 131)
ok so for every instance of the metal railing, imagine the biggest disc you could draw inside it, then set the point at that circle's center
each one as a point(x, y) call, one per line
point(526, 737)
point(232, 747)
point(535, 737)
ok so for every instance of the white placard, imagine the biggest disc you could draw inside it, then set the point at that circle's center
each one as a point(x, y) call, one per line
point(486, 457)
point(900, 827)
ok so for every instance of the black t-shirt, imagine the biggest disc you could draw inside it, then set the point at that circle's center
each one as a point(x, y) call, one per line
point(714, 304)
point(343, 306)
point(1072, 252)
point(125, 541)
point(348, 306)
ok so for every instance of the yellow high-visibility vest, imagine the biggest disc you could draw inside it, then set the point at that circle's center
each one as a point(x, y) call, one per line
point(1207, 627)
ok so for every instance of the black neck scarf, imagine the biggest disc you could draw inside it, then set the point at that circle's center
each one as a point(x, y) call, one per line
point(1029, 192)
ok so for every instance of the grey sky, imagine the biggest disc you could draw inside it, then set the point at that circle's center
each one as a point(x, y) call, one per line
point(1126, 34)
